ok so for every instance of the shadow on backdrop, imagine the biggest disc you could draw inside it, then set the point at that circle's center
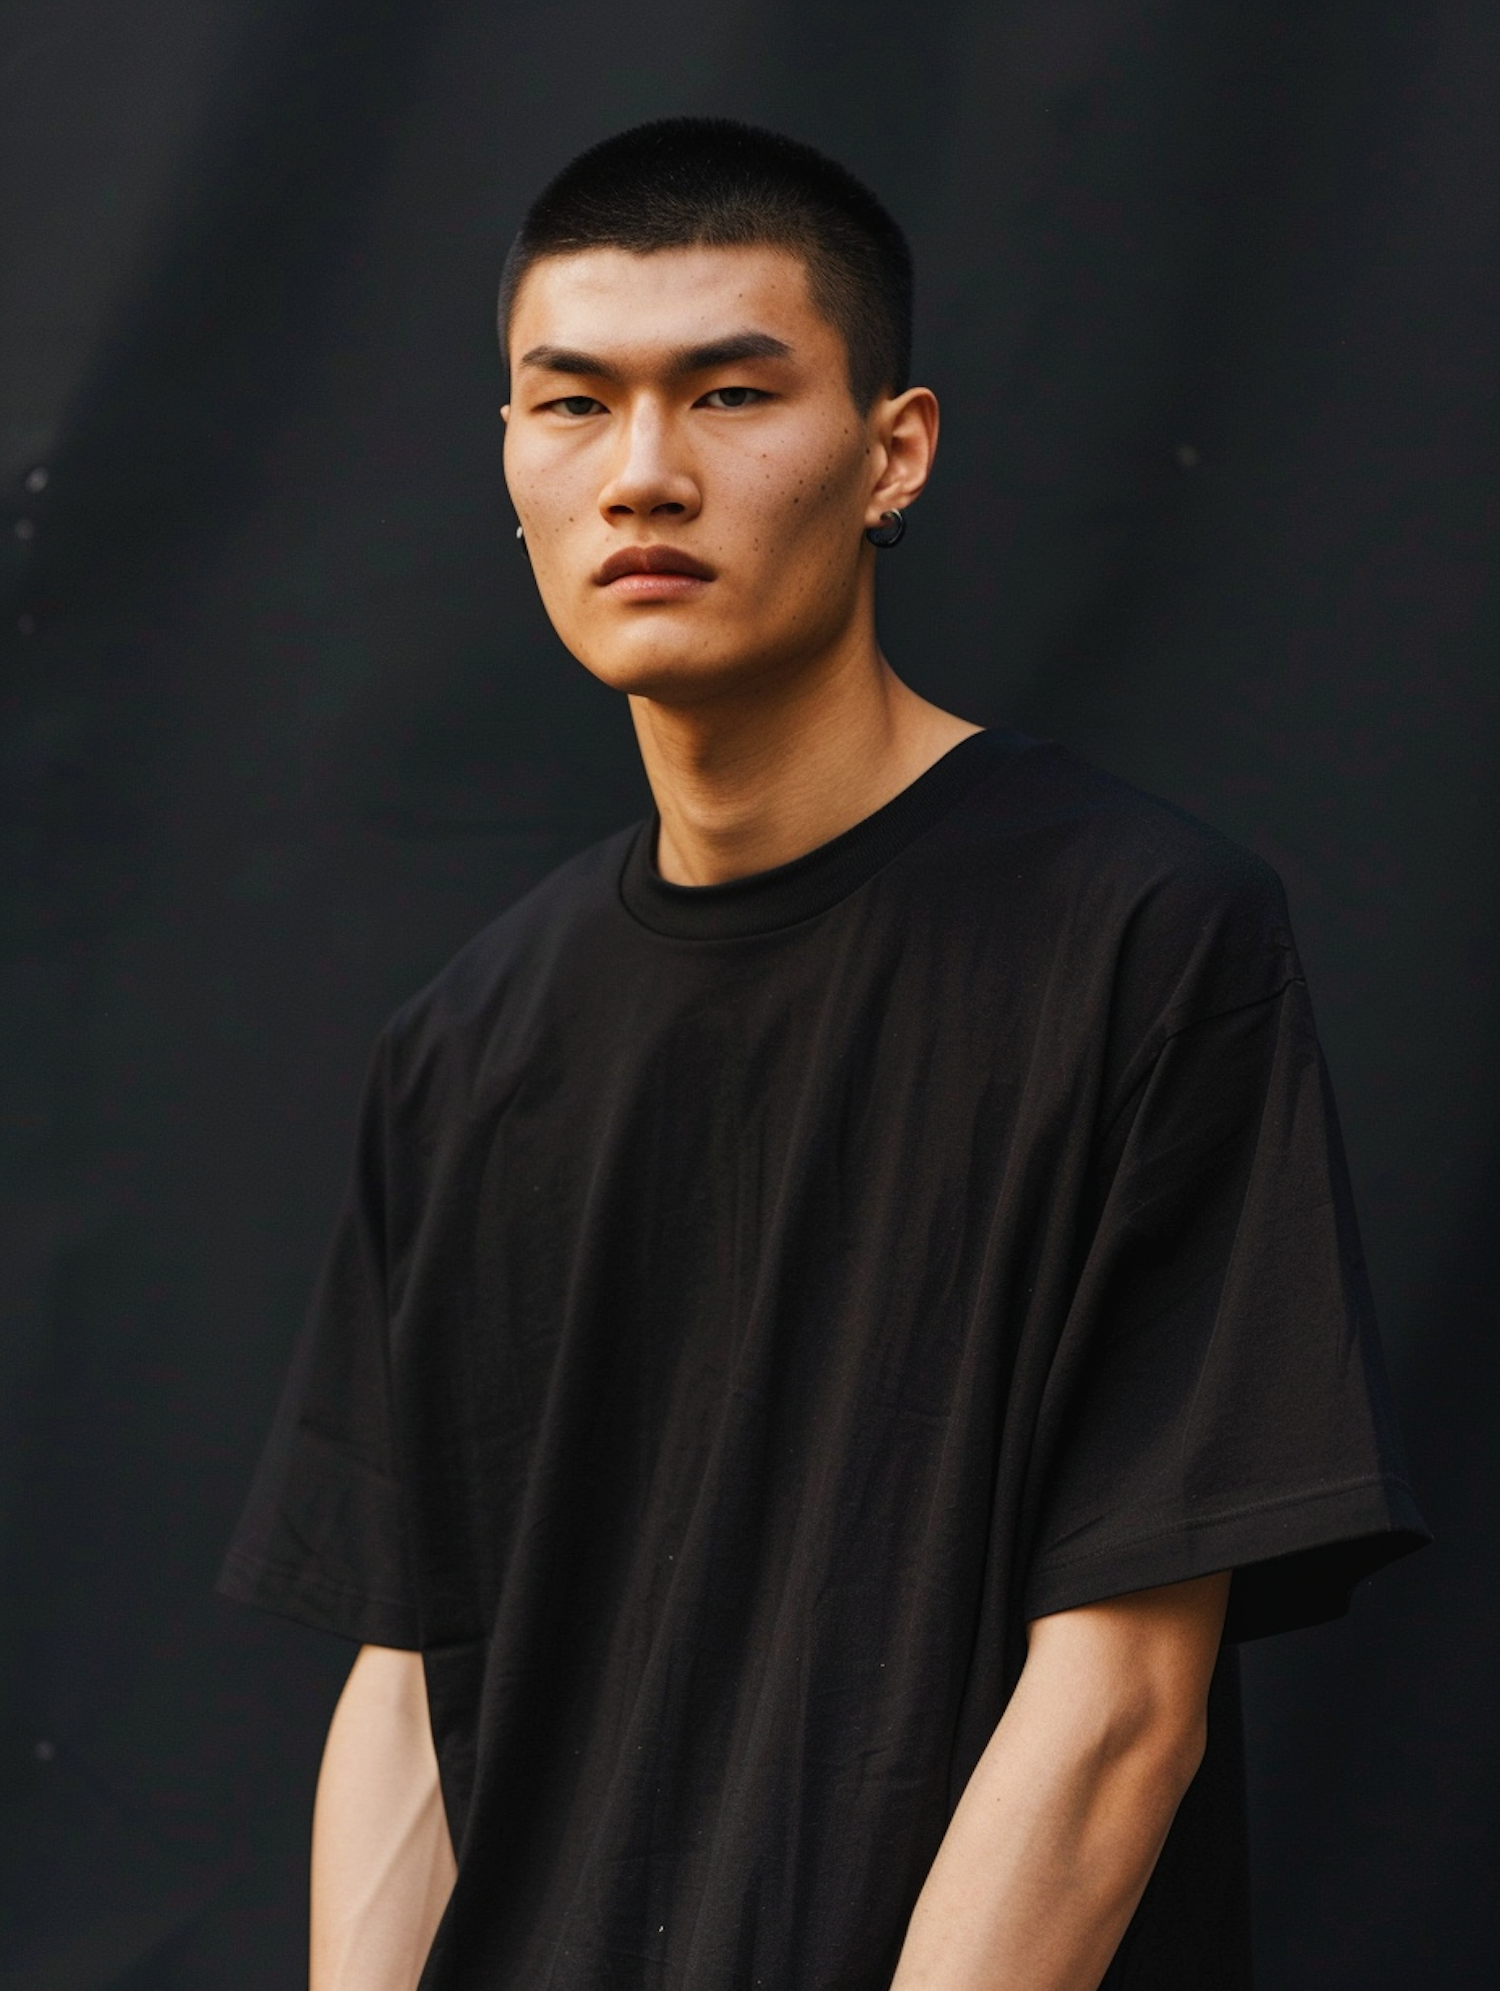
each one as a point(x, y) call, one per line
point(1210, 295)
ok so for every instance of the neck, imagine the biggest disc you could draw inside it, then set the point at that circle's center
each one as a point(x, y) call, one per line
point(746, 782)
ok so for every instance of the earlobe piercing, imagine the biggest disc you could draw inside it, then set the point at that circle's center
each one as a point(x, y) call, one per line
point(520, 532)
point(889, 533)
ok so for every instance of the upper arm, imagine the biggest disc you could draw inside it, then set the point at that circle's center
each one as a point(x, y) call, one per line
point(380, 1744)
point(388, 1676)
point(1139, 1663)
point(382, 1865)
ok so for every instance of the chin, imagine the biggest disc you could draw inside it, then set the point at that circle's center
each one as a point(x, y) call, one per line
point(669, 673)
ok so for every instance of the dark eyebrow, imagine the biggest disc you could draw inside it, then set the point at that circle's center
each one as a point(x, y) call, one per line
point(725, 352)
point(563, 359)
point(686, 359)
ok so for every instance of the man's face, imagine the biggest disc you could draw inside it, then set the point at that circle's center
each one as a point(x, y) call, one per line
point(690, 468)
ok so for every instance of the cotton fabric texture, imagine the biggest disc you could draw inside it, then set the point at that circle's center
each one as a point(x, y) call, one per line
point(755, 1302)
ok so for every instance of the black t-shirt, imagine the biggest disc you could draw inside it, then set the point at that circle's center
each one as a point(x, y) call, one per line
point(755, 1301)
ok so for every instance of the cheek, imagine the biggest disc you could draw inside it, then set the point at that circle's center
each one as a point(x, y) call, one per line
point(796, 560)
point(799, 497)
point(546, 485)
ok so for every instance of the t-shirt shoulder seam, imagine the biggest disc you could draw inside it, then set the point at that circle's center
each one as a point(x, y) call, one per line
point(1170, 1032)
point(1289, 981)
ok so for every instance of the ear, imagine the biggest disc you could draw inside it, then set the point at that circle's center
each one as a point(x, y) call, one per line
point(906, 433)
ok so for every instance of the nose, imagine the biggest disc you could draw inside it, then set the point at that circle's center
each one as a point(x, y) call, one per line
point(650, 477)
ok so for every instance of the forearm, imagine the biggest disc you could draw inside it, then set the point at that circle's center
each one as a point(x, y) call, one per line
point(382, 1862)
point(1060, 1826)
point(1041, 1868)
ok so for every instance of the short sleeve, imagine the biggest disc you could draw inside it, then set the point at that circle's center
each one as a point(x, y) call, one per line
point(1225, 1405)
point(323, 1537)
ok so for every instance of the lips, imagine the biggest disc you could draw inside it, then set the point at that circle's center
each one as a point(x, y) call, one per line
point(635, 568)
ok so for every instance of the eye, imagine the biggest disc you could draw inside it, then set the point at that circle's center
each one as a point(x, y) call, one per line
point(577, 405)
point(733, 397)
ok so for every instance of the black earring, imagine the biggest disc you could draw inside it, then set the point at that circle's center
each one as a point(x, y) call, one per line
point(893, 533)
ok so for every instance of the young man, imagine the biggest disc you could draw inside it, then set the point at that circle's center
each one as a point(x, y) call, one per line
point(848, 1282)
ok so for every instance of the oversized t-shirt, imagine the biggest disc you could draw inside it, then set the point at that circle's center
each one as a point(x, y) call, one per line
point(755, 1302)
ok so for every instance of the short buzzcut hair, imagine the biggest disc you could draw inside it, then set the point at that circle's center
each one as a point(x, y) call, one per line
point(682, 182)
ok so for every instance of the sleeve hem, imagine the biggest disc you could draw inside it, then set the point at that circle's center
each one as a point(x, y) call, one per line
point(1296, 1559)
point(315, 1600)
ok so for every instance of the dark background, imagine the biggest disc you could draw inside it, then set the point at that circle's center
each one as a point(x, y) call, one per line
point(1209, 292)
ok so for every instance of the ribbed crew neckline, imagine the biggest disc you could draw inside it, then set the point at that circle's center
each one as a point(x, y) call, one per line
point(769, 900)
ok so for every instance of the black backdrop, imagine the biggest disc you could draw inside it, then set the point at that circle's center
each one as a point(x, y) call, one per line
point(1210, 294)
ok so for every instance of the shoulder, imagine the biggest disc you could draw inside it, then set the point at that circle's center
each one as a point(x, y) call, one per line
point(496, 979)
point(1176, 914)
point(1113, 835)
